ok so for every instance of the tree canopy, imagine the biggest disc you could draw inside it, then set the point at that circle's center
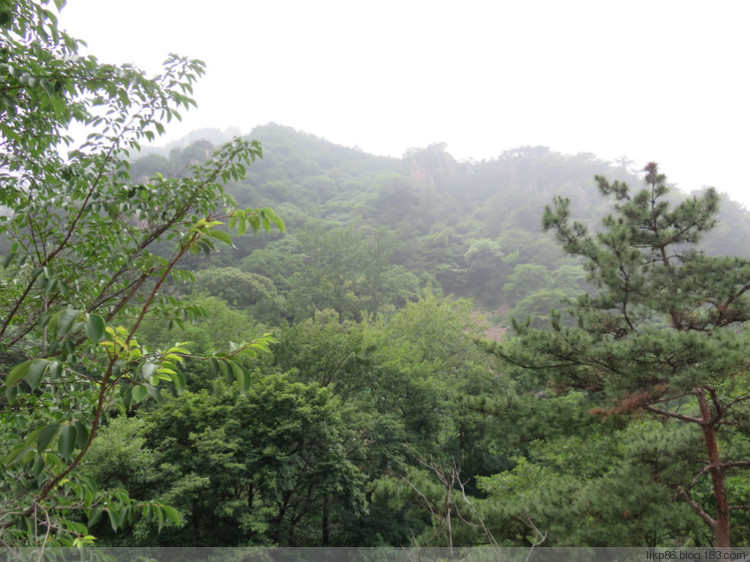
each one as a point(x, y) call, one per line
point(405, 360)
point(661, 334)
point(90, 251)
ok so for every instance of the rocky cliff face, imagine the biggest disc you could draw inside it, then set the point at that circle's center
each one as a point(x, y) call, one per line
point(430, 163)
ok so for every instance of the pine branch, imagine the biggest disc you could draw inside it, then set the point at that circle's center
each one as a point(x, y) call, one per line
point(696, 508)
point(675, 415)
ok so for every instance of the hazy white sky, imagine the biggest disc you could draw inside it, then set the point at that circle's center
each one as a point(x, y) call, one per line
point(658, 80)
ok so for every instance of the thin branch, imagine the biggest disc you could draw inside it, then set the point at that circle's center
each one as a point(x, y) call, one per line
point(706, 470)
point(485, 529)
point(738, 400)
point(675, 415)
point(46, 534)
point(104, 386)
point(184, 248)
point(540, 538)
point(734, 464)
point(720, 410)
point(670, 398)
point(696, 508)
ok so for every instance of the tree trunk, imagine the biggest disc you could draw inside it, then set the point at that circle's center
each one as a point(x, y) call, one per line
point(722, 529)
point(325, 524)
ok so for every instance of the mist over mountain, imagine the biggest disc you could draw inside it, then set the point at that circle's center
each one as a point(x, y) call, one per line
point(471, 229)
point(281, 341)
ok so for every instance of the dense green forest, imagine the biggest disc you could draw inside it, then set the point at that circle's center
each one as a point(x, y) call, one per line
point(408, 351)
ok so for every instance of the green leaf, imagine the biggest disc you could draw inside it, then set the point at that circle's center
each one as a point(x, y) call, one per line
point(159, 511)
point(140, 392)
point(94, 516)
point(125, 101)
point(55, 369)
point(18, 451)
point(254, 221)
point(65, 322)
point(47, 87)
point(270, 214)
point(36, 372)
point(17, 374)
point(225, 369)
point(82, 434)
point(67, 442)
point(205, 245)
point(46, 436)
point(64, 289)
point(172, 513)
point(51, 287)
point(94, 327)
point(114, 518)
point(153, 392)
point(148, 369)
point(245, 383)
point(221, 235)
point(178, 379)
point(8, 259)
point(58, 105)
point(88, 493)
point(242, 376)
point(11, 392)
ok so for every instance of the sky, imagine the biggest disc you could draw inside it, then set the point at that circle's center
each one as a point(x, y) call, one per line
point(649, 80)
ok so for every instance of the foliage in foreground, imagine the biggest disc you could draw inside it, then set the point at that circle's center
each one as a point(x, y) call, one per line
point(90, 252)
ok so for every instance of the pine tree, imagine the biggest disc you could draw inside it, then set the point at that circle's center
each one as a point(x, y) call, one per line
point(662, 331)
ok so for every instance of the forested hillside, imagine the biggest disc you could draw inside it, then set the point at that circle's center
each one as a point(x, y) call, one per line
point(278, 341)
point(380, 396)
point(471, 229)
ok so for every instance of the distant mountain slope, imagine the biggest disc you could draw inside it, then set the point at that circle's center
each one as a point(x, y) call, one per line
point(472, 228)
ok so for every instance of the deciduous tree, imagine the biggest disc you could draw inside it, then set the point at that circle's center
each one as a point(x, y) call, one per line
point(82, 271)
